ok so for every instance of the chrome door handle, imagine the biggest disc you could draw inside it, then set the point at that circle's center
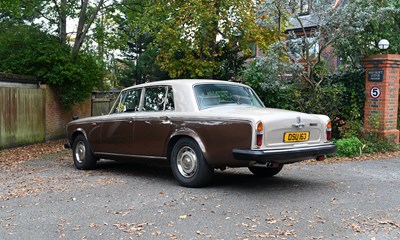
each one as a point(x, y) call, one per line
point(130, 120)
point(165, 120)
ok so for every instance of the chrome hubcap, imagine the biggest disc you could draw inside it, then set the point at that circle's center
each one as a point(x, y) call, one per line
point(80, 152)
point(187, 162)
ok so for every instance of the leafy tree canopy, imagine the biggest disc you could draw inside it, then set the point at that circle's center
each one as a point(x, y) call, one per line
point(351, 31)
point(293, 75)
point(199, 39)
point(28, 50)
point(137, 47)
point(367, 23)
point(54, 15)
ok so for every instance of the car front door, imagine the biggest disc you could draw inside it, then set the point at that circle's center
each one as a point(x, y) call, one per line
point(118, 130)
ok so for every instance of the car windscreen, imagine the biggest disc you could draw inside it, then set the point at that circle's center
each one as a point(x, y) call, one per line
point(213, 95)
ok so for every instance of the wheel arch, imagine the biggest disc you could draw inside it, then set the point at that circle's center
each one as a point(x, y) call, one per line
point(188, 133)
point(76, 133)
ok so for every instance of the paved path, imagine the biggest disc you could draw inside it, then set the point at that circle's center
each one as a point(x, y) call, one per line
point(49, 199)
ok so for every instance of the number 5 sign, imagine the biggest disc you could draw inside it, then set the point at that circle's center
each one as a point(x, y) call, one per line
point(375, 92)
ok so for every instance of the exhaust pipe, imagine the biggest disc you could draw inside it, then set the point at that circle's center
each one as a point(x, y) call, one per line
point(267, 165)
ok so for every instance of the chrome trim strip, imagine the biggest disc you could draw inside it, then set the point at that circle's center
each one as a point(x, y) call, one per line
point(127, 155)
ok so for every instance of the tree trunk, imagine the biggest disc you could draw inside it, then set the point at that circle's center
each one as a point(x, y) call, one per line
point(212, 38)
point(63, 22)
point(83, 29)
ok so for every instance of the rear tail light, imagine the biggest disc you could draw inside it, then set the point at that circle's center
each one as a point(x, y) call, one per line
point(259, 134)
point(329, 131)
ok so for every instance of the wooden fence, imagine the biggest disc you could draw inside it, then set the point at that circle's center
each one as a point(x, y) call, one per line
point(101, 106)
point(30, 112)
point(102, 102)
point(22, 114)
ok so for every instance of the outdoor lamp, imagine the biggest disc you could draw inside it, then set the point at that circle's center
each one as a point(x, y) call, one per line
point(383, 44)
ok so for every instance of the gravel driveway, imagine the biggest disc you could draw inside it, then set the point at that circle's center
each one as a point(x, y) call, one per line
point(50, 199)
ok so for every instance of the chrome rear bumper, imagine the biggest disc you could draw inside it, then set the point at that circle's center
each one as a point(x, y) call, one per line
point(286, 155)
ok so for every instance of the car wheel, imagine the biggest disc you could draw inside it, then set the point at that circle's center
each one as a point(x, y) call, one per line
point(265, 172)
point(82, 154)
point(188, 164)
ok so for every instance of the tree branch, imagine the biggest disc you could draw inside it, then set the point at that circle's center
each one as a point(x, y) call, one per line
point(82, 29)
point(56, 6)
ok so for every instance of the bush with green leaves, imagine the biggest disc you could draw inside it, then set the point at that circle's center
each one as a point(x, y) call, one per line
point(350, 146)
point(376, 144)
point(340, 96)
point(30, 51)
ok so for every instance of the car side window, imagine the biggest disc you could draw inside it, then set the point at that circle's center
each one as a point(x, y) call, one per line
point(158, 99)
point(128, 101)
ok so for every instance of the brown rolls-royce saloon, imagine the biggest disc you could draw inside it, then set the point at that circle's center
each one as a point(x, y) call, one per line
point(198, 126)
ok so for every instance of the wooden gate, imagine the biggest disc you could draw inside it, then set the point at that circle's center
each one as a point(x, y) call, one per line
point(102, 102)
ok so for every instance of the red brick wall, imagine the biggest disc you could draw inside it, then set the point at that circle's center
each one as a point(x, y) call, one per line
point(57, 117)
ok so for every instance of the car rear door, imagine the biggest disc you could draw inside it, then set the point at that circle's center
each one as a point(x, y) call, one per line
point(153, 124)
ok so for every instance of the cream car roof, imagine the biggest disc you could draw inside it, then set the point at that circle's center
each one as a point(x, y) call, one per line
point(184, 96)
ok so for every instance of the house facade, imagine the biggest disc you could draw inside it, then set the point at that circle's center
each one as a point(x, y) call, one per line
point(302, 26)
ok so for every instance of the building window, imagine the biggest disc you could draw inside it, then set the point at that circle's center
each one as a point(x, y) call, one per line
point(301, 7)
point(303, 46)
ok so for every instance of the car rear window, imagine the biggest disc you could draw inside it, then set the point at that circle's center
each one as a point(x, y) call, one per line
point(212, 95)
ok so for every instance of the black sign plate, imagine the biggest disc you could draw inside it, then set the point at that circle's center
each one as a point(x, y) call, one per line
point(375, 75)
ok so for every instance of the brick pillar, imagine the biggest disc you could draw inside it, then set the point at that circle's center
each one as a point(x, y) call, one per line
point(382, 93)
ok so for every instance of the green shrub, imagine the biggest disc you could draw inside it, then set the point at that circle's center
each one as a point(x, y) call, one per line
point(375, 144)
point(349, 147)
point(340, 95)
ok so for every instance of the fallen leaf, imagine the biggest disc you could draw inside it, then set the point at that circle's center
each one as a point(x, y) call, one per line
point(356, 227)
point(390, 222)
point(157, 233)
point(270, 220)
point(93, 225)
point(199, 233)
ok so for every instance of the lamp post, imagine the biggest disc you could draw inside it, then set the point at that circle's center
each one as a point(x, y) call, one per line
point(383, 44)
